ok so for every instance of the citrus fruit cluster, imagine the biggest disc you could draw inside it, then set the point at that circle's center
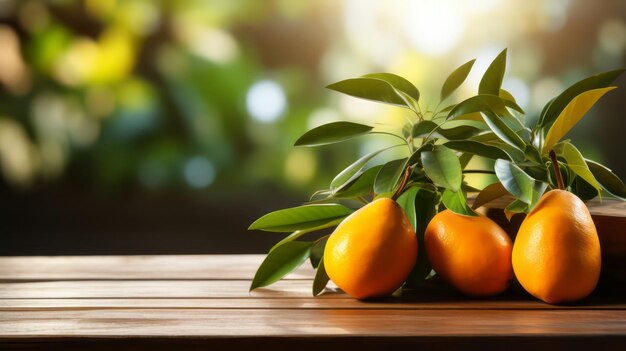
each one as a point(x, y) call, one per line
point(402, 221)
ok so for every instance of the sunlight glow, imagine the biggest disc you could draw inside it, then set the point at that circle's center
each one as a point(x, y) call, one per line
point(434, 27)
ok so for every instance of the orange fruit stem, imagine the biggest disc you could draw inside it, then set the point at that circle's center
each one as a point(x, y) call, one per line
point(557, 170)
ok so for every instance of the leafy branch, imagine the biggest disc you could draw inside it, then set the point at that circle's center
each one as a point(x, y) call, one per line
point(528, 161)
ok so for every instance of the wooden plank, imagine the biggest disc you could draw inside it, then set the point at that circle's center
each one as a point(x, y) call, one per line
point(243, 323)
point(234, 294)
point(136, 267)
point(343, 302)
point(154, 289)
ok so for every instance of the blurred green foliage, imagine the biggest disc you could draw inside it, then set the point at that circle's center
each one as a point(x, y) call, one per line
point(197, 94)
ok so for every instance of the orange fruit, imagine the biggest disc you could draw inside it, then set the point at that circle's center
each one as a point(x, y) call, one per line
point(556, 255)
point(372, 251)
point(473, 254)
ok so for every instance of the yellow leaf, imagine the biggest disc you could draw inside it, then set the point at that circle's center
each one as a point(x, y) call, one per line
point(571, 114)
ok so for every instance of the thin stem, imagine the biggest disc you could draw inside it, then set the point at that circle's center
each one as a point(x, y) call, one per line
point(432, 131)
point(435, 112)
point(389, 133)
point(405, 179)
point(557, 170)
point(394, 135)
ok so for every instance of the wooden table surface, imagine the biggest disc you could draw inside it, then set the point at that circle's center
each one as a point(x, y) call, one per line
point(202, 302)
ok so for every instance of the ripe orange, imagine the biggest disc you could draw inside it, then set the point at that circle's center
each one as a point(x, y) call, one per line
point(556, 255)
point(371, 252)
point(473, 254)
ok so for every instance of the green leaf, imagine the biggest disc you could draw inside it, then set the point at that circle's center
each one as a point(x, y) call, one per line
point(503, 131)
point(407, 201)
point(320, 195)
point(465, 159)
point(545, 109)
point(455, 79)
point(478, 124)
point(317, 251)
point(458, 133)
point(443, 167)
point(300, 218)
point(455, 201)
point(407, 130)
point(468, 188)
point(514, 207)
point(565, 173)
point(518, 183)
point(426, 205)
point(576, 163)
point(487, 137)
point(397, 82)
point(571, 114)
point(476, 148)
point(538, 172)
point(280, 262)
point(388, 176)
point(370, 89)
point(488, 194)
point(423, 128)
point(332, 133)
point(609, 181)
point(516, 154)
point(447, 108)
point(492, 79)
point(555, 106)
point(533, 154)
point(509, 101)
point(321, 278)
point(505, 95)
point(453, 130)
point(298, 233)
point(479, 103)
point(354, 168)
point(582, 189)
point(417, 154)
point(361, 184)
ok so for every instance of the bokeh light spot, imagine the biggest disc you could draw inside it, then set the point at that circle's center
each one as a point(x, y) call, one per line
point(266, 101)
point(544, 90)
point(199, 172)
point(612, 39)
point(300, 166)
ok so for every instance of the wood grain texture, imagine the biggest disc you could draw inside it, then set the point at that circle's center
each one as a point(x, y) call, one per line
point(297, 322)
point(136, 267)
point(154, 289)
point(202, 302)
point(281, 303)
